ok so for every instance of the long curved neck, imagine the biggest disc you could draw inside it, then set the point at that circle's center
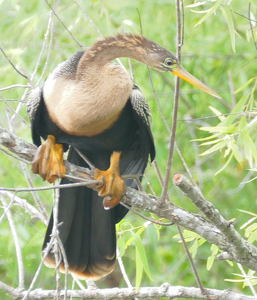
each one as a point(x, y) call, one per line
point(107, 49)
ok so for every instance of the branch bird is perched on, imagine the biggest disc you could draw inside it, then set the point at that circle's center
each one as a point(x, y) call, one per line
point(91, 105)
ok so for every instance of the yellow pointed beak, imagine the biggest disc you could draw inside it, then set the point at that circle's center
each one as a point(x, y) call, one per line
point(183, 74)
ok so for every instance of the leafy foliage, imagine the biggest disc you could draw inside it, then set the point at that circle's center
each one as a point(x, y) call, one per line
point(235, 134)
point(219, 49)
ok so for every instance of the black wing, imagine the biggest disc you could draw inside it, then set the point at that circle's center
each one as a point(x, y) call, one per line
point(142, 116)
point(34, 108)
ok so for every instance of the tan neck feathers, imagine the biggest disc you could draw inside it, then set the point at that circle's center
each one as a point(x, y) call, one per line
point(109, 48)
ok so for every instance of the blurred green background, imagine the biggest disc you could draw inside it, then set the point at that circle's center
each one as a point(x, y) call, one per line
point(218, 49)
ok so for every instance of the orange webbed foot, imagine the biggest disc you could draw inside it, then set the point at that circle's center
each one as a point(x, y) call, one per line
point(113, 185)
point(48, 160)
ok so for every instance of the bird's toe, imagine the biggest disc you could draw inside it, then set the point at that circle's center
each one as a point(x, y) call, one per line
point(48, 160)
point(113, 185)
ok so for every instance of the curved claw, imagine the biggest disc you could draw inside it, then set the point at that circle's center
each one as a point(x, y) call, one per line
point(48, 160)
point(113, 185)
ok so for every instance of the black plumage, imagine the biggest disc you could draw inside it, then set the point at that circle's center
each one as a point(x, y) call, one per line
point(87, 230)
point(90, 104)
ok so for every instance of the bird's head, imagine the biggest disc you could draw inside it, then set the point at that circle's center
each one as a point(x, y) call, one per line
point(143, 50)
point(162, 60)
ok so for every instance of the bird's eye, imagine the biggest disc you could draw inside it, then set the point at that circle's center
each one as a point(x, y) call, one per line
point(169, 61)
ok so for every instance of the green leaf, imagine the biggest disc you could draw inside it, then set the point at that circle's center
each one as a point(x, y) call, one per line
point(239, 107)
point(247, 212)
point(225, 165)
point(193, 248)
point(214, 148)
point(234, 280)
point(246, 224)
point(139, 269)
point(121, 245)
point(157, 230)
point(142, 255)
point(217, 113)
point(210, 261)
point(236, 152)
point(197, 243)
point(212, 142)
point(211, 258)
point(230, 22)
point(252, 150)
point(229, 262)
point(209, 12)
point(217, 129)
point(204, 139)
point(245, 84)
point(251, 232)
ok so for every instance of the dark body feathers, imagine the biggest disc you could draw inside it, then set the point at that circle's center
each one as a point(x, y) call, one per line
point(87, 231)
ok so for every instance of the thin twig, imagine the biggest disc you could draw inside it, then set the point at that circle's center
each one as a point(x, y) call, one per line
point(39, 204)
point(251, 25)
point(17, 245)
point(179, 44)
point(13, 155)
point(243, 16)
point(44, 188)
point(12, 100)
point(6, 208)
point(56, 250)
point(49, 31)
point(123, 270)
point(190, 258)
point(172, 137)
point(14, 86)
point(189, 173)
point(26, 293)
point(85, 158)
point(13, 65)
point(78, 282)
point(90, 20)
point(243, 113)
point(30, 209)
point(63, 24)
point(146, 218)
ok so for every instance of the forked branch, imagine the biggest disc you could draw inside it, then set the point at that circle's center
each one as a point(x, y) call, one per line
point(216, 230)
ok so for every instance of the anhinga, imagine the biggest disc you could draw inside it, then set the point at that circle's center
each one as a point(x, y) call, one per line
point(90, 104)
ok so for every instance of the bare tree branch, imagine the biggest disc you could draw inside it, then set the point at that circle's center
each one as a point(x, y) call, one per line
point(165, 290)
point(30, 209)
point(217, 231)
point(240, 247)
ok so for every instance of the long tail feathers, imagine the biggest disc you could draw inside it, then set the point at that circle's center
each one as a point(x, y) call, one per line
point(86, 231)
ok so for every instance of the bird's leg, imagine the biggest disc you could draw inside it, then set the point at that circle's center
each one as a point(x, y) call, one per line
point(113, 185)
point(48, 160)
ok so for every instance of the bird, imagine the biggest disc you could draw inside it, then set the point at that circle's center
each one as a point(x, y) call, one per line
point(90, 107)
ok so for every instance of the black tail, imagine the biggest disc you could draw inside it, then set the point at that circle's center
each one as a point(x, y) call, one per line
point(87, 230)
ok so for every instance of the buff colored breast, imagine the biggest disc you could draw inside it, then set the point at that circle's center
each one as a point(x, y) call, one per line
point(88, 107)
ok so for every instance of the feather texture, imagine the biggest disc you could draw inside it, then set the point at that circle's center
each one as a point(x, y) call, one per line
point(87, 231)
